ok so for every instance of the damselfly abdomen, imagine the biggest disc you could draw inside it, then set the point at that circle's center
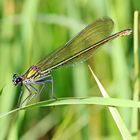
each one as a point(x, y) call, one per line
point(80, 48)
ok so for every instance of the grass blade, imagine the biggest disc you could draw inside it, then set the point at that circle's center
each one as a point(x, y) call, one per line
point(134, 124)
point(75, 101)
point(114, 112)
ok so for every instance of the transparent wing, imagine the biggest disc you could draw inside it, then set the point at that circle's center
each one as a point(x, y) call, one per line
point(68, 54)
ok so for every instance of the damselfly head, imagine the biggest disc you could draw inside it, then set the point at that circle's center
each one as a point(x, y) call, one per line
point(16, 79)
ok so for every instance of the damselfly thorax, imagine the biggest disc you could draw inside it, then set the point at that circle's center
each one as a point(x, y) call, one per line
point(28, 77)
point(33, 74)
point(78, 49)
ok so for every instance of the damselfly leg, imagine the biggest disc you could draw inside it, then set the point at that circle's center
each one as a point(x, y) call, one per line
point(30, 94)
point(20, 96)
point(33, 91)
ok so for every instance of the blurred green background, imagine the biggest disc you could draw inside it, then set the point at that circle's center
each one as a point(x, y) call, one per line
point(31, 29)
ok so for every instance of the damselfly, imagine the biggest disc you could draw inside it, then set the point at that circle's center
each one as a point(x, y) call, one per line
point(80, 48)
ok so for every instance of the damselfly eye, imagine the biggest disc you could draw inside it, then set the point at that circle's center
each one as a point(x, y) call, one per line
point(16, 79)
